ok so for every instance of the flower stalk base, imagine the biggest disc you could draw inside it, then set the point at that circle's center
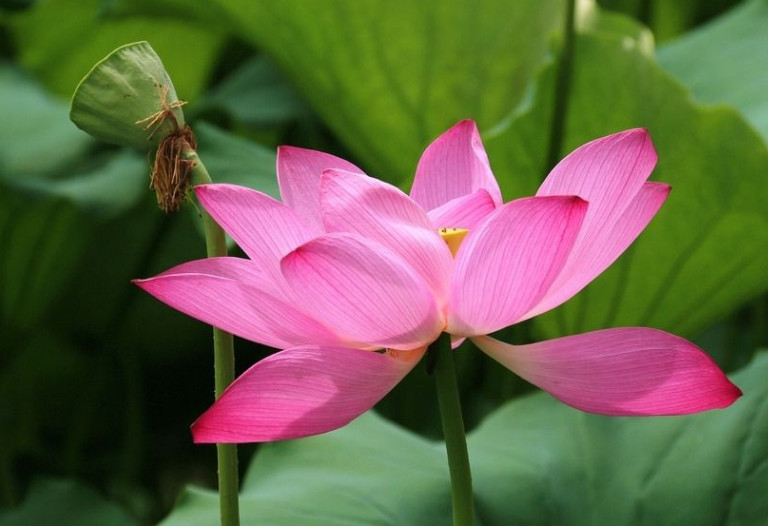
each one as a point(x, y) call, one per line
point(444, 371)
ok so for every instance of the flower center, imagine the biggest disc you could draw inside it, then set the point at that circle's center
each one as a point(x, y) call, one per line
point(453, 237)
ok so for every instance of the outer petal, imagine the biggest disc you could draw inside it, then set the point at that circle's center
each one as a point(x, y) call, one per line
point(300, 392)
point(607, 246)
point(611, 243)
point(364, 291)
point(233, 295)
point(454, 165)
point(504, 267)
point(264, 228)
point(628, 371)
point(298, 174)
point(609, 173)
point(379, 211)
point(467, 211)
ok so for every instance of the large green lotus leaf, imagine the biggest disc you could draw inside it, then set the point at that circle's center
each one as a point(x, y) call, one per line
point(65, 503)
point(702, 256)
point(589, 18)
point(535, 461)
point(61, 40)
point(105, 186)
point(47, 236)
point(36, 138)
point(669, 19)
point(257, 94)
point(727, 61)
point(41, 152)
point(389, 76)
point(212, 15)
point(370, 472)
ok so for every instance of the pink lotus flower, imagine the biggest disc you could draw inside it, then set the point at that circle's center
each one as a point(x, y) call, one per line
point(347, 265)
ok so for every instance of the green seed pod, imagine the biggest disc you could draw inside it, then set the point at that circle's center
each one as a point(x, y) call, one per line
point(128, 99)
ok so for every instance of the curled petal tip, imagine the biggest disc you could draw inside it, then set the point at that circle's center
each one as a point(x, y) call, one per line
point(145, 284)
point(721, 398)
point(637, 131)
point(466, 123)
point(660, 187)
point(285, 150)
point(733, 393)
point(575, 200)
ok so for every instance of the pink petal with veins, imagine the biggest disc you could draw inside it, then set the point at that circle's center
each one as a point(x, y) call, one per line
point(454, 165)
point(624, 231)
point(379, 211)
point(632, 371)
point(467, 211)
point(298, 174)
point(235, 296)
point(610, 174)
point(364, 291)
point(504, 267)
point(300, 392)
point(263, 227)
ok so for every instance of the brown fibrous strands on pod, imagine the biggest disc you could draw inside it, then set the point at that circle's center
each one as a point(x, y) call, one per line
point(170, 177)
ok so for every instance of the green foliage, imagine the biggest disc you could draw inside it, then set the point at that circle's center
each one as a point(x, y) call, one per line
point(236, 160)
point(371, 472)
point(699, 259)
point(61, 40)
point(34, 385)
point(48, 237)
point(65, 503)
point(105, 187)
point(42, 154)
point(257, 95)
point(400, 73)
point(535, 461)
point(669, 19)
point(34, 122)
point(726, 61)
point(571, 468)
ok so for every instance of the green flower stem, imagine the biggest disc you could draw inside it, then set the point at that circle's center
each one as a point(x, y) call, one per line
point(223, 362)
point(562, 87)
point(442, 358)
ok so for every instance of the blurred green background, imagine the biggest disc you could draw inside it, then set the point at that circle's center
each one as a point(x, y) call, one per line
point(99, 382)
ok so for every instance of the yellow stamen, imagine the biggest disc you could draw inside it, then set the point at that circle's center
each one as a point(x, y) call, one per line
point(453, 237)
